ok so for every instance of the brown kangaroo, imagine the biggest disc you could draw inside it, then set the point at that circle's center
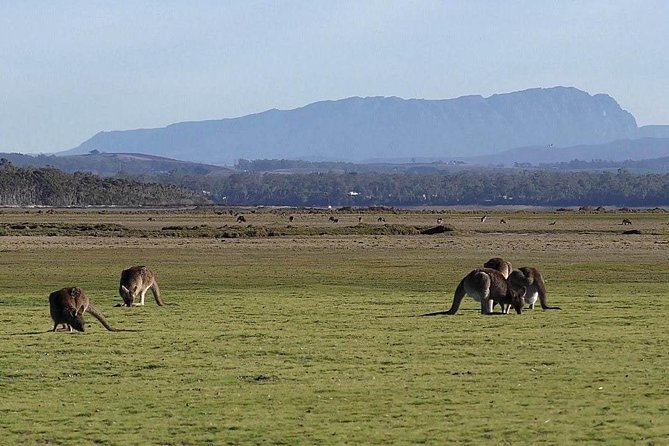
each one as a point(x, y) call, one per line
point(68, 306)
point(531, 279)
point(486, 285)
point(504, 267)
point(136, 281)
point(501, 265)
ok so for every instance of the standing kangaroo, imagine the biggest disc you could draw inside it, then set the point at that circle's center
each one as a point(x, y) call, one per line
point(68, 306)
point(136, 281)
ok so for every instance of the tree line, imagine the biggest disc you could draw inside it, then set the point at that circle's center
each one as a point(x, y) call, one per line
point(645, 165)
point(23, 186)
point(51, 187)
point(489, 187)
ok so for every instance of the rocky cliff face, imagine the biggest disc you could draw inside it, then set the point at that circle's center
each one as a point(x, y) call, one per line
point(357, 129)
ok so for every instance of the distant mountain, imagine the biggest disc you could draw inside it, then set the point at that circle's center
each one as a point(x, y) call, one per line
point(358, 129)
point(620, 150)
point(111, 164)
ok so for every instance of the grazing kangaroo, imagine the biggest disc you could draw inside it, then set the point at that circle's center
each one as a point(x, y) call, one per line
point(68, 306)
point(531, 279)
point(136, 281)
point(504, 267)
point(486, 285)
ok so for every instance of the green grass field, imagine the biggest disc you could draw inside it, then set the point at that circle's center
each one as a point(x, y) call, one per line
point(316, 339)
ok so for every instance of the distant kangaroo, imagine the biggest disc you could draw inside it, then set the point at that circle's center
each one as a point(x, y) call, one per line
point(68, 306)
point(136, 281)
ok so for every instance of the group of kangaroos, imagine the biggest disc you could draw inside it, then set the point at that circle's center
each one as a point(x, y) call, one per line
point(497, 283)
point(68, 305)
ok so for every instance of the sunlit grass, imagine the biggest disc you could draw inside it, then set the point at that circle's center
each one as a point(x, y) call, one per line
point(316, 341)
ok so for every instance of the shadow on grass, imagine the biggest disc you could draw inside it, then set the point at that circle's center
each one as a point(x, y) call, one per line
point(446, 313)
point(31, 333)
point(35, 333)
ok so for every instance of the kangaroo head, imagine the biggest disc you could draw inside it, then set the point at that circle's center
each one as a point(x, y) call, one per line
point(127, 296)
point(76, 320)
point(518, 299)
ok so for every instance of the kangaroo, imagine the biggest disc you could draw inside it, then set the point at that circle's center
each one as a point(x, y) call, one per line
point(531, 279)
point(68, 306)
point(136, 281)
point(486, 285)
point(504, 267)
point(501, 265)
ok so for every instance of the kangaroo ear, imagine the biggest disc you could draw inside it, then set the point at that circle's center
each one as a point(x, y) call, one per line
point(125, 290)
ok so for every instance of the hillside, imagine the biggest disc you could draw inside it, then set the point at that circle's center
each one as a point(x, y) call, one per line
point(28, 186)
point(112, 164)
point(386, 128)
point(620, 150)
point(653, 131)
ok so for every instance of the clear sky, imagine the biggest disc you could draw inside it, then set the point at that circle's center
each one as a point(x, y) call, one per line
point(72, 68)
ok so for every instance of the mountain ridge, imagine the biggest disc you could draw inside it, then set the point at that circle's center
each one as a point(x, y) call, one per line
point(359, 128)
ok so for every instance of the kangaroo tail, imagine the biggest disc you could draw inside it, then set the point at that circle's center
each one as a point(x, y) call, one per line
point(541, 288)
point(457, 297)
point(97, 315)
point(156, 294)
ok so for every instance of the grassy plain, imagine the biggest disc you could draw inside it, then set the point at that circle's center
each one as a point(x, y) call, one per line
point(315, 339)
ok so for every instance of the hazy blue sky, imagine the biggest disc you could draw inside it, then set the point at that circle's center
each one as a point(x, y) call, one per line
point(69, 69)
